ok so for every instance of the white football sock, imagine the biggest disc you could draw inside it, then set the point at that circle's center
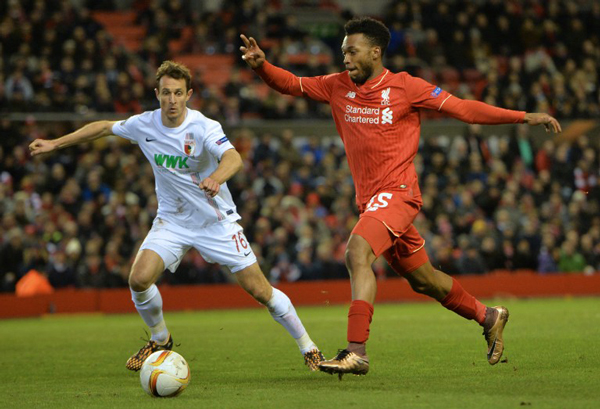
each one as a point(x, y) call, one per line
point(283, 312)
point(149, 305)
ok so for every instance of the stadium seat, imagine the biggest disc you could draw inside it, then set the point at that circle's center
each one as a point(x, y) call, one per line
point(216, 68)
point(175, 46)
point(115, 18)
point(121, 26)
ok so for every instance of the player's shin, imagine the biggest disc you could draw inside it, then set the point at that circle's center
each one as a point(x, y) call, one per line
point(149, 305)
point(464, 304)
point(283, 312)
point(360, 316)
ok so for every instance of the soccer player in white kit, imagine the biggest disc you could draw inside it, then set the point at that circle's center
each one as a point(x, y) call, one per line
point(192, 159)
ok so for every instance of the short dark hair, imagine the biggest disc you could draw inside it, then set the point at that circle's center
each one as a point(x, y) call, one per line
point(174, 70)
point(374, 30)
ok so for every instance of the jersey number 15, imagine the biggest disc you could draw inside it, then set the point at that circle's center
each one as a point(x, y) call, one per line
point(378, 201)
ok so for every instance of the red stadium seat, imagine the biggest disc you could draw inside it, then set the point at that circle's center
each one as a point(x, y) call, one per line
point(175, 46)
point(114, 18)
point(121, 26)
point(216, 68)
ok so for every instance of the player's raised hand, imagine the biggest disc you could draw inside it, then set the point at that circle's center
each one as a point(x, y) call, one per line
point(210, 186)
point(251, 52)
point(549, 122)
point(40, 146)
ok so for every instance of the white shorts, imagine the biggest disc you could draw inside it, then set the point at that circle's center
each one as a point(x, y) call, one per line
point(223, 243)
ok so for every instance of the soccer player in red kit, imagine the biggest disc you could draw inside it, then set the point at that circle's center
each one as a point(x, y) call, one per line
point(376, 113)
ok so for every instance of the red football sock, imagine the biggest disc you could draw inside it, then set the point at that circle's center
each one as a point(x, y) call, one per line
point(464, 304)
point(359, 320)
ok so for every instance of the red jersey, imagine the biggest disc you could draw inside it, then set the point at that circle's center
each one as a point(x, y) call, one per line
point(379, 121)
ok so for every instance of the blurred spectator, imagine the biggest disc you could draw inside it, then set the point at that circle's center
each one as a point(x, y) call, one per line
point(60, 273)
point(570, 260)
point(12, 253)
point(18, 88)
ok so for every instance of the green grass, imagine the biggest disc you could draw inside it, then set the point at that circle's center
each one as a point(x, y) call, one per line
point(422, 356)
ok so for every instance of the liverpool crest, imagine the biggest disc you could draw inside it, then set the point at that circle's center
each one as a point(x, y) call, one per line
point(385, 96)
point(189, 144)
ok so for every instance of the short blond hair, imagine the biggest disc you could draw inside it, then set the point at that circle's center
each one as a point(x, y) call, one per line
point(174, 70)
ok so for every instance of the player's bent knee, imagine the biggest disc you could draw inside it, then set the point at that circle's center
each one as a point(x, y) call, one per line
point(262, 295)
point(422, 280)
point(260, 290)
point(421, 287)
point(141, 279)
point(259, 293)
point(137, 281)
point(146, 269)
point(357, 255)
point(253, 281)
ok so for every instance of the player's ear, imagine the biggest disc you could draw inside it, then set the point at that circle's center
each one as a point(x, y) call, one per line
point(156, 92)
point(376, 53)
point(189, 94)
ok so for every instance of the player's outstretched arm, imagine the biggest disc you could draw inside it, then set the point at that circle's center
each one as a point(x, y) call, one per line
point(476, 112)
point(86, 133)
point(251, 52)
point(231, 163)
point(549, 122)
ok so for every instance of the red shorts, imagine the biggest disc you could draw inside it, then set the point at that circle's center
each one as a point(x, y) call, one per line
point(386, 224)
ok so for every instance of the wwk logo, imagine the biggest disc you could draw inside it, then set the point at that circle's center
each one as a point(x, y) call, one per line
point(169, 161)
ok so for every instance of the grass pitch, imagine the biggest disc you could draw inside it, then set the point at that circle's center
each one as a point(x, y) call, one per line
point(422, 356)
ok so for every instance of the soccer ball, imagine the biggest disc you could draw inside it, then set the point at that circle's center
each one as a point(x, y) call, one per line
point(164, 373)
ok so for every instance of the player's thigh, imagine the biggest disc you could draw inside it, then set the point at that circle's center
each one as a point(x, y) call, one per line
point(146, 269)
point(255, 283)
point(408, 253)
point(376, 239)
point(225, 243)
point(388, 216)
point(167, 241)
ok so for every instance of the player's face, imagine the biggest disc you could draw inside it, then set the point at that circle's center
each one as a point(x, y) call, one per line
point(172, 95)
point(359, 57)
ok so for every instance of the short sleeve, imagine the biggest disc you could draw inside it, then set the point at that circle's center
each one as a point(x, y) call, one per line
point(318, 88)
point(422, 94)
point(215, 140)
point(125, 128)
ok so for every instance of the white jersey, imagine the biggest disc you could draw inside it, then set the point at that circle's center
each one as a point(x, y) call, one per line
point(181, 157)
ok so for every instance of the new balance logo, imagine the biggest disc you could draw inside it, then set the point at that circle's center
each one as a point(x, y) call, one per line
point(169, 161)
point(387, 115)
point(351, 94)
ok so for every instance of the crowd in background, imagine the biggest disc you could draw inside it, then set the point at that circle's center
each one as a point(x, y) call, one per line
point(489, 203)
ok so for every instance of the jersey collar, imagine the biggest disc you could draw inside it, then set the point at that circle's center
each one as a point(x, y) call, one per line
point(371, 84)
point(166, 129)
